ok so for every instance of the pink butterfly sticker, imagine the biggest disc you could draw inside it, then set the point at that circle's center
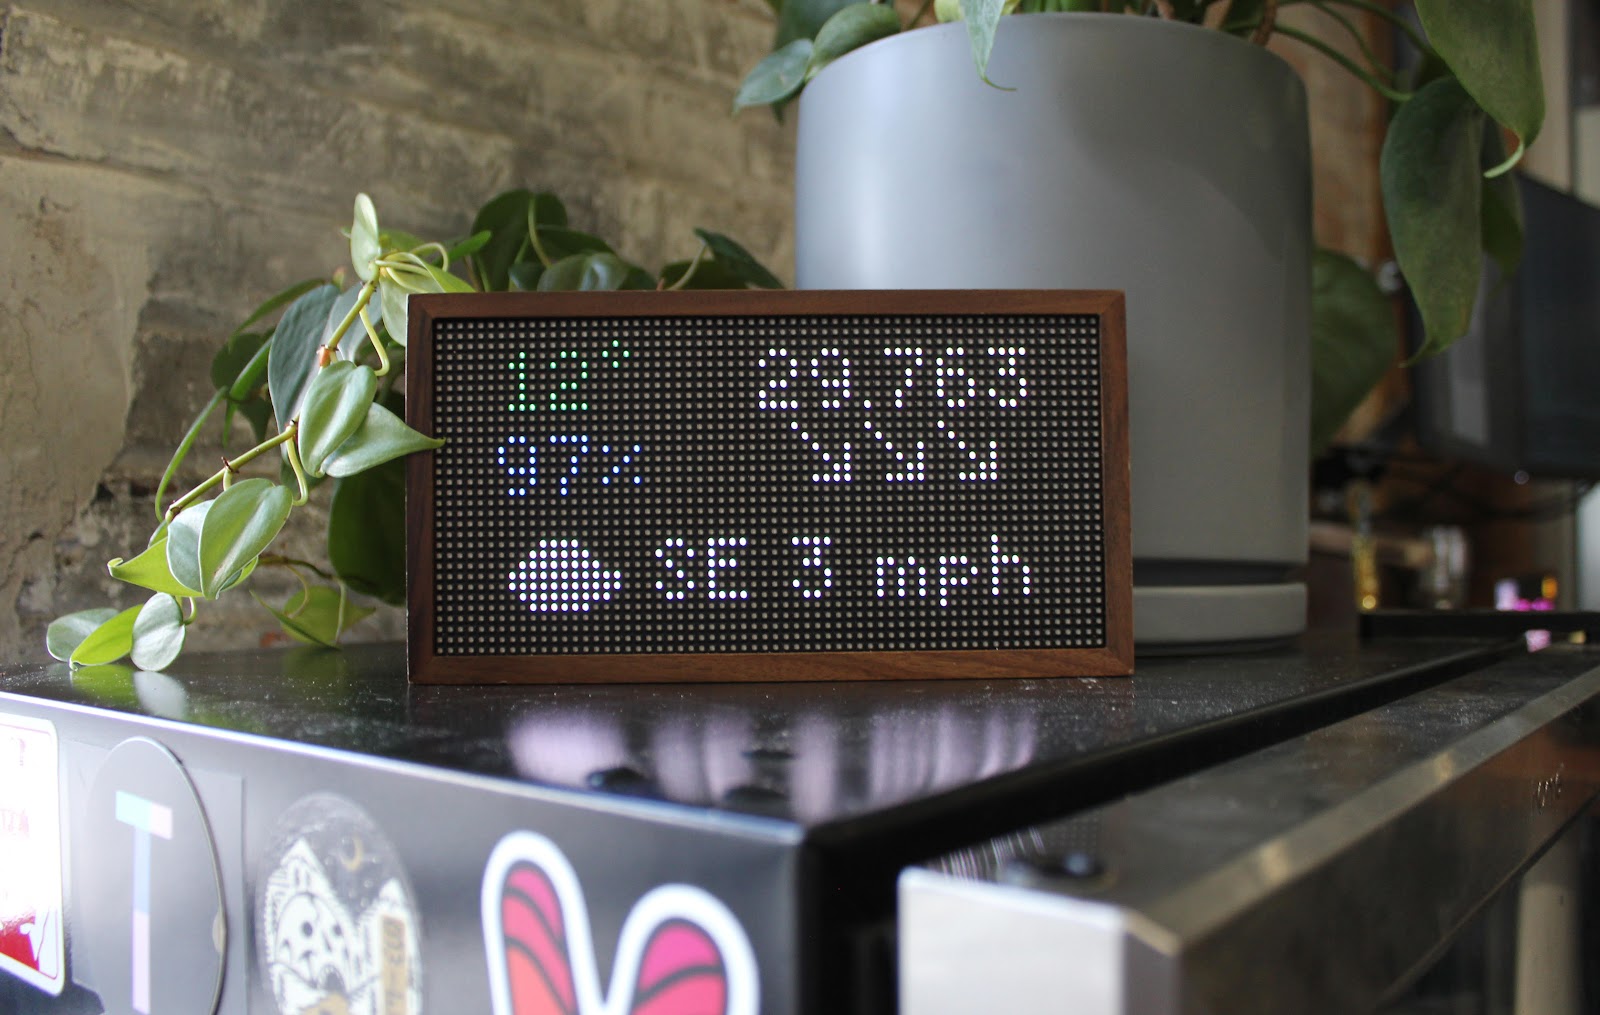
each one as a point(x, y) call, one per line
point(682, 952)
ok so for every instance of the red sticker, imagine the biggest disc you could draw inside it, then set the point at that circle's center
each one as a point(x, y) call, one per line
point(31, 936)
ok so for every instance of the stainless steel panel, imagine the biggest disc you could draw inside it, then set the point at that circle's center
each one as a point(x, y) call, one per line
point(1319, 875)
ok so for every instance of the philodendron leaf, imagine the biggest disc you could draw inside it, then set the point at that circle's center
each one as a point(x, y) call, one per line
point(446, 282)
point(710, 274)
point(364, 245)
point(1432, 194)
point(983, 21)
point(776, 78)
point(524, 276)
point(353, 343)
point(559, 242)
point(803, 19)
point(183, 544)
point(107, 643)
point(367, 532)
point(294, 350)
point(382, 436)
point(585, 272)
point(1502, 208)
point(242, 522)
point(505, 218)
point(850, 29)
point(158, 633)
point(393, 297)
point(237, 354)
point(319, 618)
point(1493, 49)
point(469, 246)
point(150, 570)
point(335, 407)
point(65, 634)
point(1353, 341)
point(738, 260)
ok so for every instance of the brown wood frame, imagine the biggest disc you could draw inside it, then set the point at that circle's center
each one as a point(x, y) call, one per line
point(1114, 659)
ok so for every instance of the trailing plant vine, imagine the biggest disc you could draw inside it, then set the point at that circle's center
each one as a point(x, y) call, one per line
point(325, 373)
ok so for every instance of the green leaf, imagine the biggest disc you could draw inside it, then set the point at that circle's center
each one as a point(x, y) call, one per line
point(850, 29)
point(294, 350)
point(469, 246)
point(446, 282)
point(335, 407)
point(1432, 194)
point(353, 343)
point(150, 570)
point(776, 78)
point(559, 242)
point(393, 298)
point(242, 522)
point(524, 276)
point(637, 278)
point(1502, 208)
point(1353, 341)
point(738, 260)
point(367, 531)
point(803, 19)
point(364, 246)
point(320, 617)
point(383, 436)
point(65, 634)
point(183, 544)
point(277, 300)
point(399, 239)
point(109, 642)
point(1493, 49)
point(505, 218)
point(585, 272)
point(158, 633)
point(239, 577)
point(983, 20)
point(257, 411)
point(238, 353)
point(712, 274)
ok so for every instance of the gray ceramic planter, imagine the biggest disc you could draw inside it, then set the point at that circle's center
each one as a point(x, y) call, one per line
point(1165, 160)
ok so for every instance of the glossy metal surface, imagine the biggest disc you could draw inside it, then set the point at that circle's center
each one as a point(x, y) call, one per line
point(835, 787)
point(817, 755)
point(1314, 876)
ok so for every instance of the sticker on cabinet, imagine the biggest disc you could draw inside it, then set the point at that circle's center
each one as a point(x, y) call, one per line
point(31, 939)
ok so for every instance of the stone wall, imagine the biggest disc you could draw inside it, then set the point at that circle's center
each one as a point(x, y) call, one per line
point(166, 164)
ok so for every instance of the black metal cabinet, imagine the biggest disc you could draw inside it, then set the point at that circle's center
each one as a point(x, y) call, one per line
point(734, 847)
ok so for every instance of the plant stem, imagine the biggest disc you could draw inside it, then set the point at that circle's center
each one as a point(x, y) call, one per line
point(538, 248)
point(299, 472)
point(223, 474)
point(688, 273)
point(1339, 58)
point(1356, 34)
point(1380, 11)
point(362, 299)
point(278, 560)
point(1269, 22)
point(377, 344)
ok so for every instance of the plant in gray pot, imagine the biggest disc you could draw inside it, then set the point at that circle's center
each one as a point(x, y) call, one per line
point(1165, 154)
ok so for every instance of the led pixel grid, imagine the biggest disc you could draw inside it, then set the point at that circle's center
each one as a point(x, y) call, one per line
point(799, 483)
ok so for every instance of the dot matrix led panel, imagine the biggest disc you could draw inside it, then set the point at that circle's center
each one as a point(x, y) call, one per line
point(768, 485)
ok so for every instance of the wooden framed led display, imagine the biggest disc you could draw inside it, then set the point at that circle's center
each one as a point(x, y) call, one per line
point(768, 485)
